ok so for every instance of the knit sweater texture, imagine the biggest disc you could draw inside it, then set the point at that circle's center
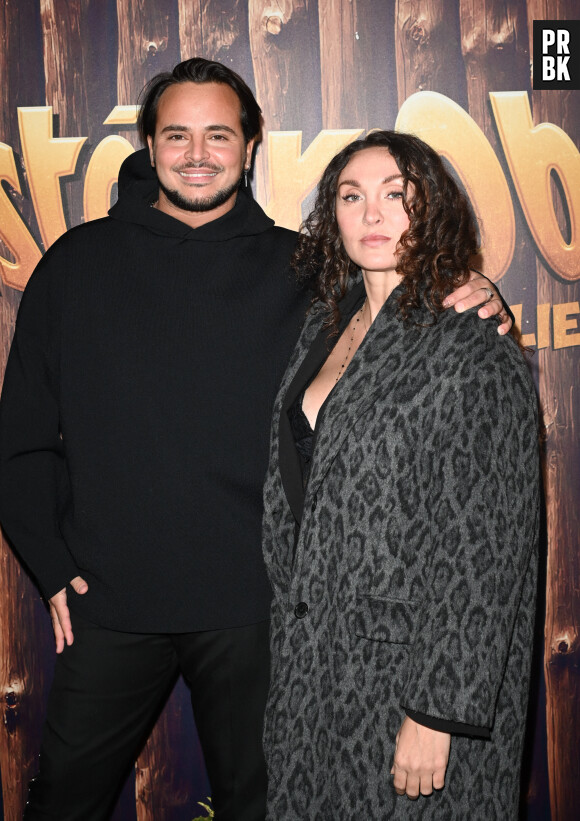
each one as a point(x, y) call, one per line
point(135, 411)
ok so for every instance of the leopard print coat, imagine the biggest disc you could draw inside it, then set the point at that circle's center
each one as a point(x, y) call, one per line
point(412, 581)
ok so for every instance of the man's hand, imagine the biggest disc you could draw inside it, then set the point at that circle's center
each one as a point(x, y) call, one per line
point(60, 615)
point(421, 757)
point(475, 292)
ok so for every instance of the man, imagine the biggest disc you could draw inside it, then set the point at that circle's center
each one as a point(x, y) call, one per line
point(133, 443)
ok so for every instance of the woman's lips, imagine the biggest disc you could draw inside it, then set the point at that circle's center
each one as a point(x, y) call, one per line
point(375, 240)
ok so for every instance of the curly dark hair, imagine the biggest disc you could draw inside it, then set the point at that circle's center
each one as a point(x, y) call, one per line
point(434, 252)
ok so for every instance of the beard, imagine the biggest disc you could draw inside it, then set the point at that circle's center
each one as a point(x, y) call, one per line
point(199, 204)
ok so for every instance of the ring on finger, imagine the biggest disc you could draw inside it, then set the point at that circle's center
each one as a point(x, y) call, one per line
point(489, 293)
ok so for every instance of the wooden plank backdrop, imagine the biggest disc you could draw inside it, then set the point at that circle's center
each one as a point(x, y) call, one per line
point(315, 66)
point(560, 401)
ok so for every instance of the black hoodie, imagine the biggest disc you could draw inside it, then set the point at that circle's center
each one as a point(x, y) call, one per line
point(135, 413)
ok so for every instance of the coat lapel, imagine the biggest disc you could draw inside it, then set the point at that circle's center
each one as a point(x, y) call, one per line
point(313, 351)
point(365, 379)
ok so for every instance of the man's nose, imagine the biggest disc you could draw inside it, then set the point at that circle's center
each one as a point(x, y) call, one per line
point(197, 149)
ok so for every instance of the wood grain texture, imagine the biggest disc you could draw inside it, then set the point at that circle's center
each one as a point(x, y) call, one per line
point(22, 83)
point(284, 45)
point(23, 680)
point(428, 49)
point(22, 675)
point(217, 30)
point(21, 69)
point(148, 43)
point(153, 774)
point(357, 63)
point(63, 64)
point(495, 49)
point(64, 73)
point(560, 400)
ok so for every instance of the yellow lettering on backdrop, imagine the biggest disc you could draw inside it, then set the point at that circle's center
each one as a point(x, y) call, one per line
point(292, 176)
point(454, 134)
point(527, 339)
point(46, 159)
point(563, 324)
point(541, 339)
point(13, 231)
point(123, 115)
point(102, 173)
point(532, 154)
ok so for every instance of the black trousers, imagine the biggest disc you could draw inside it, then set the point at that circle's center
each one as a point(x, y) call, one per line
point(108, 689)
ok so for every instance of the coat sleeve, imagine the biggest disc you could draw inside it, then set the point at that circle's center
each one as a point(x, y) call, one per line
point(33, 475)
point(482, 505)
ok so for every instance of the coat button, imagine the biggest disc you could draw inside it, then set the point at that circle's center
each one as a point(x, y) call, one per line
point(313, 505)
point(301, 610)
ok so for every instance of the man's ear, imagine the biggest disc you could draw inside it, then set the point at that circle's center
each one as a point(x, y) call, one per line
point(249, 150)
point(151, 151)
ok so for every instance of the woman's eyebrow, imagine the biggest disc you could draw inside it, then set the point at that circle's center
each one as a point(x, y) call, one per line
point(388, 179)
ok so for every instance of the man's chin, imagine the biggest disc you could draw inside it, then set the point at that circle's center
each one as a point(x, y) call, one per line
point(199, 204)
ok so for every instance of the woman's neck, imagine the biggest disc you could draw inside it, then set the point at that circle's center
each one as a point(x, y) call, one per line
point(378, 286)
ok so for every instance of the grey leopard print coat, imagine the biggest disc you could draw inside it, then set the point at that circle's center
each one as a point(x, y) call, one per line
point(412, 581)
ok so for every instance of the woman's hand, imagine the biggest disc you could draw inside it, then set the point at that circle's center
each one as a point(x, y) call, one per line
point(476, 291)
point(421, 757)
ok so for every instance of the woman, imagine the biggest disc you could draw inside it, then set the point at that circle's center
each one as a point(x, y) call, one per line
point(400, 521)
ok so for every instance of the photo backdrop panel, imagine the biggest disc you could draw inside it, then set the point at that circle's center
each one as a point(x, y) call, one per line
point(455, 72)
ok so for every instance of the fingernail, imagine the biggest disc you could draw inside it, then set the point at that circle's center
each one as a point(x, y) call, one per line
point(460, 306)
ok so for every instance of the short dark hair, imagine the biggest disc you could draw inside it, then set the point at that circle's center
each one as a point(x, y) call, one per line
point(198, 70)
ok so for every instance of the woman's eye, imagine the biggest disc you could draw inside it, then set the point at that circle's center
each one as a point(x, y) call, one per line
point(351, 197)
point(395, 195)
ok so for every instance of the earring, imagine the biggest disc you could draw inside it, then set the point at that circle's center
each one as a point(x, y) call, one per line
point(245, 177)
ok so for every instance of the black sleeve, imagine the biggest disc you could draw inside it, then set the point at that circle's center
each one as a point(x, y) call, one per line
point(445, 726)
point(33, 474)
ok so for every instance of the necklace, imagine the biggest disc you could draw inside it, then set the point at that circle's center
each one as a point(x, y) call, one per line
point(359, 316)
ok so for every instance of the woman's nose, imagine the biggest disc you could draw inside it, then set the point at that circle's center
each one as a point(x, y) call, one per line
point(372, 214)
